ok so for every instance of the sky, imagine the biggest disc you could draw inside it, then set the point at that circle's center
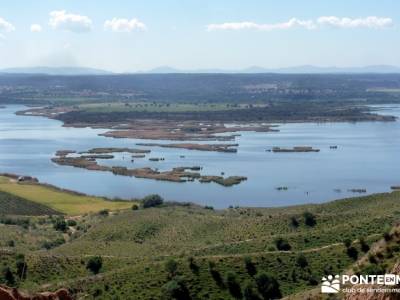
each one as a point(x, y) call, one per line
point(130, 35)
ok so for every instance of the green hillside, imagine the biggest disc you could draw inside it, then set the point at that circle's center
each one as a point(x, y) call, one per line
point(215, 254)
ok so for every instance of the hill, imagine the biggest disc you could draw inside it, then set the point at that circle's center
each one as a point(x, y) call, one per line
point(209, 254)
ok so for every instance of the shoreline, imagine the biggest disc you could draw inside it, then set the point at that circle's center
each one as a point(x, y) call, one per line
point(190, 203)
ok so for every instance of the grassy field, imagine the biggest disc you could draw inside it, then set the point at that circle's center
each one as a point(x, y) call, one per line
point(64, 202)
point(14, 205)
point(135, 246)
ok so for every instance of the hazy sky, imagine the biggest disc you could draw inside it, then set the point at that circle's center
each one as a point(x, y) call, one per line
point(129, 35)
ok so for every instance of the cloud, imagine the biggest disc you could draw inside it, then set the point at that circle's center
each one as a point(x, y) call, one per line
point(124, 25)
point(36, 28)
point(6, 26)
point(368, 22)
point(292, 23)
point(62, 20)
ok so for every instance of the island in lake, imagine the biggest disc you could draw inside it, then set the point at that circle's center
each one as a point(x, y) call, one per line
point(178, 174)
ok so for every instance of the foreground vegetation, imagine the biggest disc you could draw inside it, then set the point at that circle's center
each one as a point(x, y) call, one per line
point(181, 251)
point(62, 201)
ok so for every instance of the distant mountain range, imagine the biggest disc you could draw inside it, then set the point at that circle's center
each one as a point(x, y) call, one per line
point(56, 71)
point(306, 69)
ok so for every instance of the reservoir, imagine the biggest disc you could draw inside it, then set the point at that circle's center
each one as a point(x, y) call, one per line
point(366, 158)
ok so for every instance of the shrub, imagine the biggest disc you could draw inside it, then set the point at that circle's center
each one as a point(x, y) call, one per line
point(193, 266)
point(60, 225)
point(282, 244)
point(309, 219)
point(8, 276)
point(387, 236)
point(135, 207)
point(175, 289)
point(249, 291)
point(104, 212)
point(250, 267)
point(215, 274)
point(268, 286)
point(364, 245)
point(11, 243)
point(53, 244)
point(301, 261)
point(21, 265)
point(293, 222)
point(95, 264)
point(352, 252)
point(347, 243)
point(233, 286)
point(372, 259)
point(312, 280)
point(152, 201)
point(373, 269)
point(71, 223)
point(171, 266)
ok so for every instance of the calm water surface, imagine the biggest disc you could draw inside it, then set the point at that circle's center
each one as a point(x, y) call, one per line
point(366, 158)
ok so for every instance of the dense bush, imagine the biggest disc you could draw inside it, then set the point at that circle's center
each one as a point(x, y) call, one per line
point(309, 219)
point(352, 252)
point(301, 261)
point(95, 264)
point(233, 286)
point(250, 267)
point(171, 266)
point(60, 225)
point(8, 276)
point(268, 286)
point(175, 289)
point(282, 244)
point(71, 223)
point(152, 201)
point(249, 291)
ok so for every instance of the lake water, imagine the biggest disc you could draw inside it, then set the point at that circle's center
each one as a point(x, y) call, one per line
point(366, 158)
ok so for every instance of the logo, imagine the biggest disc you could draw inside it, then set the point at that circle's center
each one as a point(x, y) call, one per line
point(330, 284)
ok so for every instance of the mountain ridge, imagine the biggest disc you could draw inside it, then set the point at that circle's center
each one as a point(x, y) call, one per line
point(302, 69)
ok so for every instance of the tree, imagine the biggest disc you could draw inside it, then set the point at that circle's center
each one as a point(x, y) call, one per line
point(309, 219)
point(347, 243)
point(268, 286)
point(352, 252)
point(60, 225)
point(193, 266)
point(152, 201)
point(95, 264)
point(233, 286)
point(171, 266)
point(301, 261)
point(8, 276)
point(21, 265)
point(175, 289)
point(215, 274)
point(364, 245)
point(104, 212)
point(294, 222)
point(282, 244)
point(250, 267)
point(71, 223)
point(249, 291)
